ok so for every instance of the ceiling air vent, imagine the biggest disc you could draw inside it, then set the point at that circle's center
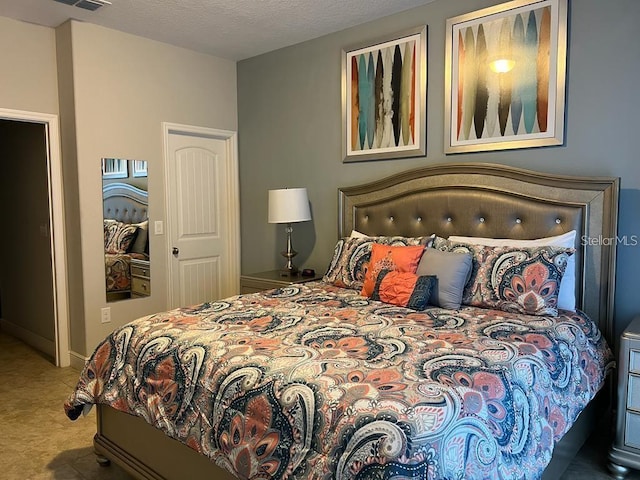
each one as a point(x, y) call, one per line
point(86, 4)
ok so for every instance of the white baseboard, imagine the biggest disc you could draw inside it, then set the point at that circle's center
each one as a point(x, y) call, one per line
point(77, 360)
point(44, 345)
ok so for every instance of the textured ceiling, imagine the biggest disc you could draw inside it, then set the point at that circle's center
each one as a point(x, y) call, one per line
point(233, 29)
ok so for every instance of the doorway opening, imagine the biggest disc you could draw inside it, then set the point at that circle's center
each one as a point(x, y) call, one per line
point(33, 281)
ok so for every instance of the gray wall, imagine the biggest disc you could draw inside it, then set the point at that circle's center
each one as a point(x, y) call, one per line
point(289, 122)
point(116, 90)
point(28, 60)
point(112, 91)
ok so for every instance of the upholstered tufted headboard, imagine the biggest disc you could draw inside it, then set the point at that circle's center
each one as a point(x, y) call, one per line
point(497, 201)
point(125, 203)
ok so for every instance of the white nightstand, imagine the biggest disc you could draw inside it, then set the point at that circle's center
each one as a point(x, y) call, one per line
point(625, 451)
point(140, 278)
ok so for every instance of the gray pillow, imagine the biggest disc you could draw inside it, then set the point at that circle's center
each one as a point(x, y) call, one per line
point(140, 243)
point(452, 269)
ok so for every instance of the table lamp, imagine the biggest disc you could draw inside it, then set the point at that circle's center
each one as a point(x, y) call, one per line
point(289, 205)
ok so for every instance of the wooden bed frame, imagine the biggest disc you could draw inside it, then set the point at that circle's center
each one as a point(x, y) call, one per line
point(464, 199)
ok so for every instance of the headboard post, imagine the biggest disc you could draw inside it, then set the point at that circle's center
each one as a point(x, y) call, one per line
point(490, 200)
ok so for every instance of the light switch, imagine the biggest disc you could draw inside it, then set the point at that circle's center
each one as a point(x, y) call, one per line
point(158, 227)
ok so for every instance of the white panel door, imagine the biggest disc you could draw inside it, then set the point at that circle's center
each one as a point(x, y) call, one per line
point(200, 219)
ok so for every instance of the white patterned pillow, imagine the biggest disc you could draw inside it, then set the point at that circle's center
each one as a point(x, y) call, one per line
point(567, 294)
point(514, 279)
point(120, 237)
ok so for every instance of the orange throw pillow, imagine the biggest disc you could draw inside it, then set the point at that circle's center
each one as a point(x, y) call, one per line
point(404, 289)
point(392, 258)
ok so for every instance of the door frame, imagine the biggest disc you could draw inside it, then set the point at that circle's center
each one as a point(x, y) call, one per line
point(233, 197)
point(57, 234)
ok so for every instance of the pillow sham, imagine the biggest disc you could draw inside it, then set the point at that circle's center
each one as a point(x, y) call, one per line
point(350, 255)
point(357, 234)
point(121, 235)
point(452, 271)
point(108, 226)
point(567, 295)
point(404, 289)
point(523, 280)
point(389, 257)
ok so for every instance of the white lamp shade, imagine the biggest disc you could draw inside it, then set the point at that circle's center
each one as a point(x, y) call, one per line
point(289, 205)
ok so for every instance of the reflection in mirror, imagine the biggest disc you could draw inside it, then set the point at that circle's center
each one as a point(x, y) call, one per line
point(125, 204)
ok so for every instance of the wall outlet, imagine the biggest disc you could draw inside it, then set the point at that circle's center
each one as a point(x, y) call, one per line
point(105, 315)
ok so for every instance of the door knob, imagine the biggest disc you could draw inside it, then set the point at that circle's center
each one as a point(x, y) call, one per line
point(176, 250)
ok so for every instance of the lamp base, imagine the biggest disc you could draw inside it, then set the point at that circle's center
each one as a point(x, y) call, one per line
point(289, 269)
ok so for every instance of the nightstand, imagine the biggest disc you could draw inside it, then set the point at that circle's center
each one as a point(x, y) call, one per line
point(625, 452)
point(140, 278)
point(256, 282)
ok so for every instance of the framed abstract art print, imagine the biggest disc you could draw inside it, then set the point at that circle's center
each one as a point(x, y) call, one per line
point(384, 96)
point(505, 77)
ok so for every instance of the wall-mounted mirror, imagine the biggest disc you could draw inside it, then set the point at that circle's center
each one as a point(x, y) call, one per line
point(125, 203)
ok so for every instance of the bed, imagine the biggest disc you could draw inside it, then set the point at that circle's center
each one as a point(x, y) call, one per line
point(318, 381)
point(126, 226)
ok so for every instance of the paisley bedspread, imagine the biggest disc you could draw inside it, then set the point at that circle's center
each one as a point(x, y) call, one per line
point(316, 382)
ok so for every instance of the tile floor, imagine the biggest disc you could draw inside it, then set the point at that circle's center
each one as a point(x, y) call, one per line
point(38, 442)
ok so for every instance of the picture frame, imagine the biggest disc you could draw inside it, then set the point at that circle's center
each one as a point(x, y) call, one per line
point(505, 77)
point(384, 97)
point(139, 168)
point(115, 168)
